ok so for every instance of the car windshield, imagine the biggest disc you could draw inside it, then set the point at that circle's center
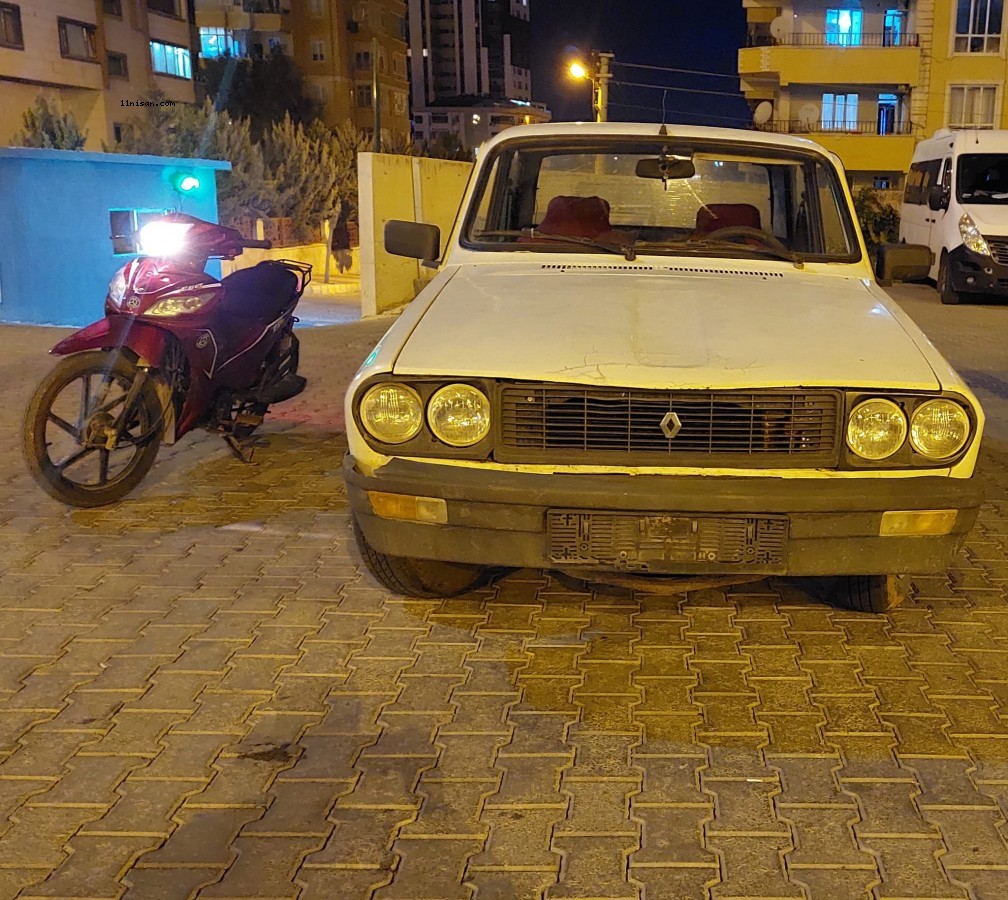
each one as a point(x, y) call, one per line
point(665, 196)
point(982, 178)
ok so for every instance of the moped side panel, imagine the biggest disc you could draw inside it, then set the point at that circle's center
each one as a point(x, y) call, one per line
point(145, 340)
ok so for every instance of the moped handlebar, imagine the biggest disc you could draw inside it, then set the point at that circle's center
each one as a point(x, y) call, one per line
point(256, 245)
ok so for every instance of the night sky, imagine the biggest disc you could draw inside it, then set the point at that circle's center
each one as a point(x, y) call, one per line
point(685, 34)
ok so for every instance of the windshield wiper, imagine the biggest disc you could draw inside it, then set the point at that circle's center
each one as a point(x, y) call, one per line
point(795, 258)
point(625, 249)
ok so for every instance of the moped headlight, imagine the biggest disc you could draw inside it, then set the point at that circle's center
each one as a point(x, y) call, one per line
point(117, 287)
point(939, 429)
point(392, 413)
point(971, 235)
point(459, 415)
point(163, 238)
point(876, 429)
point(180, 305)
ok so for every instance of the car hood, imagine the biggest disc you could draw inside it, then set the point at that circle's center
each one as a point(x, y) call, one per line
point(990, 218)
point(653, 327)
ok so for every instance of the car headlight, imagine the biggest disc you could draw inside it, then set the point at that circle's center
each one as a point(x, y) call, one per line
point(180, 305)
point(392, 413)
point(117, 287)
point(459, 415)
point(939, 429)
point(971, 235)
point(876, 429)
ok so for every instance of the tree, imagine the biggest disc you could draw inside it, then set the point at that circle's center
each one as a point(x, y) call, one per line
point(46, 125)
point(248, 191)
point(447, 146)
point(879, 221)
point(263, 90)
point(347, 141)
point(306, 175)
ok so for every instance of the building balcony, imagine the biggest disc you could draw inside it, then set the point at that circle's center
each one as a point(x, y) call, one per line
point(822, 63)
point(858, 144)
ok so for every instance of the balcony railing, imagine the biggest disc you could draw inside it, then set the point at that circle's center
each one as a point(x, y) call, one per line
point(266, 6)
point(884, 39)
point(870, 127)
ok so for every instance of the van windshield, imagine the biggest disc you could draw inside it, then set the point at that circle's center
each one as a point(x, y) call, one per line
point(662, 196)
point(982, 178)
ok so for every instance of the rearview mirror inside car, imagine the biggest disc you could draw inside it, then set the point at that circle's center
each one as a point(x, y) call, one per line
point(903, 262)
point(667, 168)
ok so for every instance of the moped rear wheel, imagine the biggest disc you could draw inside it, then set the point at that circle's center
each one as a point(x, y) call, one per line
point(67, 423)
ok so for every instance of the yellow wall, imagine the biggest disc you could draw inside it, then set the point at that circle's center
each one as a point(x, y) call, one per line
point(829, 65)
point(402, 187)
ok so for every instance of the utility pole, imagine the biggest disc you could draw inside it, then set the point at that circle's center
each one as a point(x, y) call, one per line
point(603, 76)
point(375, 95)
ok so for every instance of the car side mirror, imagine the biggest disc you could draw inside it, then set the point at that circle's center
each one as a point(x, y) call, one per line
point(413, 239)
point(903, 262)
point(938, 198)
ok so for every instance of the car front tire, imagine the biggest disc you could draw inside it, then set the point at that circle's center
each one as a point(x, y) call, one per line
point(949, 296)
point(867, 593)
point(424, 579)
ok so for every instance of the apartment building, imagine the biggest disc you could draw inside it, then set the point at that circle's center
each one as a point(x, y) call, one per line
point(470, 67)
point(334, 42)
point(97, 56)
point(870, 78)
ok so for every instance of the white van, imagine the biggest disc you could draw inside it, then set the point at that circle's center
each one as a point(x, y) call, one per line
point(956, 202)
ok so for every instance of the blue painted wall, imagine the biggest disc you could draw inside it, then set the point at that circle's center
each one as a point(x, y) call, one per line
point(56, 256)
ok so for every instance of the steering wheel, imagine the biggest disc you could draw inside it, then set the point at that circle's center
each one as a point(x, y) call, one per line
point(746, 231)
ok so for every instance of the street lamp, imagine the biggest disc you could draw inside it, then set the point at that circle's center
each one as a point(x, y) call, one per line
point(600, 75)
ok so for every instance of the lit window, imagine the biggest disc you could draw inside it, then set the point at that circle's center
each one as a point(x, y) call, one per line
point(218, 42)
point(892, 30)
point(978, 26)
point(839, 112)
point(10, 27)
point(77, 40)
point(972, 105)
point(170, 59)
point(843, 27)
point(318, 51)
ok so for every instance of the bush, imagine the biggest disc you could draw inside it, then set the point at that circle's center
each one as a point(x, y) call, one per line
point(879, 221)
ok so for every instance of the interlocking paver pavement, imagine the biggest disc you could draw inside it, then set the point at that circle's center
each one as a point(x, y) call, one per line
point(202, 695)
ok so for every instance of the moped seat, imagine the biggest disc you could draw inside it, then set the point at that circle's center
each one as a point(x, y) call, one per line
point(262, 291)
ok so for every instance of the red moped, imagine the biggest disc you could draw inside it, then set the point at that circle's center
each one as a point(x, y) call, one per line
point(176, 349)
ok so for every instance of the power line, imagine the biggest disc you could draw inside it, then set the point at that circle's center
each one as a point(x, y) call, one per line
point(680, 112)
point(681, 71)
point(663, 87)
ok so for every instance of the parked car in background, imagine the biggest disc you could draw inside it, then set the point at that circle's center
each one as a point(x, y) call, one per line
point(657, 351)
point(956, 202)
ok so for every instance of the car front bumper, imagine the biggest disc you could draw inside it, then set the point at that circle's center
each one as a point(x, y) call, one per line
point(503, 518)
point(972, 273)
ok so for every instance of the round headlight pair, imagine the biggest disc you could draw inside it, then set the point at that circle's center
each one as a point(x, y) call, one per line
point(877, 428)
point(458, 414)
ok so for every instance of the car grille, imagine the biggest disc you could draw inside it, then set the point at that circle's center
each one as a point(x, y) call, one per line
point(561, 423)
point(999, 249)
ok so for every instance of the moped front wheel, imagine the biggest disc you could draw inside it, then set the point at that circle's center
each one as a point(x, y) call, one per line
point(68, 425)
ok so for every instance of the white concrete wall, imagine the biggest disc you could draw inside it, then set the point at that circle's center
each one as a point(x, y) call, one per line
point(401, 187)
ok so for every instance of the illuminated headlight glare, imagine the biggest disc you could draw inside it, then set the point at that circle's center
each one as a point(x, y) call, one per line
point(117, 286)
point(459, 415)
point(939, 429)
point(163, 238)
point(180, 305)
point(971, 236)
point(392, 413)
point(876, 429)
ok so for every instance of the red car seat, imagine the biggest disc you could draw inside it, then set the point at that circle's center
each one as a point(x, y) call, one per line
point(584, 217)
point(726, 215)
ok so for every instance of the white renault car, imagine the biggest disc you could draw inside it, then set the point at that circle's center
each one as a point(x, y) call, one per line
point(658, 351)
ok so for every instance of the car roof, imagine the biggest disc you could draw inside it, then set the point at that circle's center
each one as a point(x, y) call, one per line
point(638, 129)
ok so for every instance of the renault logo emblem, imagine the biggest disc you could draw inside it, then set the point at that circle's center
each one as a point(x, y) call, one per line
point(671, 425)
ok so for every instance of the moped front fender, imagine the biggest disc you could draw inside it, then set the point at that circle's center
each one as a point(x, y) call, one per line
point(146, 341)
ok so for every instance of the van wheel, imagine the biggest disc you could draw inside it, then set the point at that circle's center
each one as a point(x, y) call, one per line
point(949, 296)
point(426, 579)
point(867, 593)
